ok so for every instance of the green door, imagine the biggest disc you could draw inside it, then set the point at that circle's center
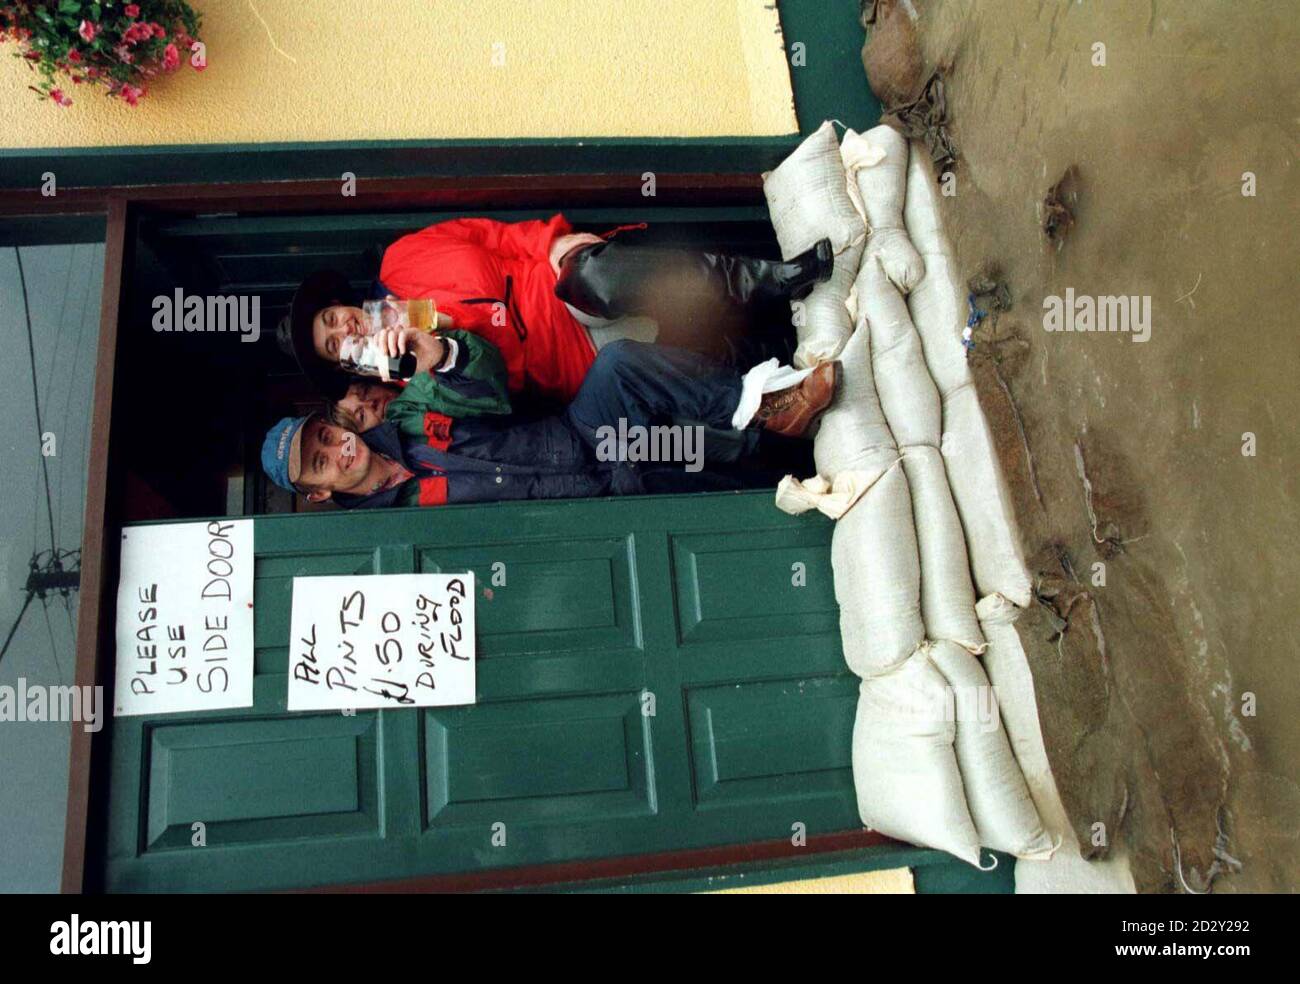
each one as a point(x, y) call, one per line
point(654, 674)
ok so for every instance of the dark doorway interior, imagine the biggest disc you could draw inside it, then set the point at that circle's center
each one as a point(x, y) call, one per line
point(191, 407)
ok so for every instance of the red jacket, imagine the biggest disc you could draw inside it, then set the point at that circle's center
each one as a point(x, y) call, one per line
point(495, 279)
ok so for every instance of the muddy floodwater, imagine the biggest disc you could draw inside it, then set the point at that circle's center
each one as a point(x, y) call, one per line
point(1156, 480)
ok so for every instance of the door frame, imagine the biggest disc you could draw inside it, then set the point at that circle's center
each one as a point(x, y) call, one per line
point(123, 206)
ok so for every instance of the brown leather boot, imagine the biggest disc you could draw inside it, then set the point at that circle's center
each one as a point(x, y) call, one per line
point(791, 411)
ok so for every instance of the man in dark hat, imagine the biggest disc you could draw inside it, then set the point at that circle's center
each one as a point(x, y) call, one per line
point(420, 456)
point(461, 373)
point(529, 287)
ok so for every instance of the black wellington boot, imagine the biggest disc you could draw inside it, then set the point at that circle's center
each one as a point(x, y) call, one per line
point(750, 281)
point(682, 289)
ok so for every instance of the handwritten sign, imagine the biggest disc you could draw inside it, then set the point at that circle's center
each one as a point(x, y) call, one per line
point(185, 618)
point(381, 641)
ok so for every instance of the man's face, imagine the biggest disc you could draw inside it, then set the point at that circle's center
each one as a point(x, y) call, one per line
point(333, 324)
point(366, 403)
point(333, 460)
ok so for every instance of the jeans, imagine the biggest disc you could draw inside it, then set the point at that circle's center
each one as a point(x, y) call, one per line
point(643, 385)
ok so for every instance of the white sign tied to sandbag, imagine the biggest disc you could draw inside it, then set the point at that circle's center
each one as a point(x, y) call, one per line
point(185, 618)
point(370, 642)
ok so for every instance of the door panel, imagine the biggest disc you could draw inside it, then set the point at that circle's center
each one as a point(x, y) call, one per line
point(317, 777)
point(736, 584)
point(762, 741)
point(576, 758)
point(652, 677)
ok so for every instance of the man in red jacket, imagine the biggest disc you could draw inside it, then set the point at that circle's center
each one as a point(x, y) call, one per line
point(524, 286)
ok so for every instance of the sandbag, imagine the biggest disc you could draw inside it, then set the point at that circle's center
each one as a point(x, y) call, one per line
point(878, 577)
point(905, 770)
point(921, 215)
point(938, 303)
point(1000, 806)
point(1008, 670)
point(938, 309)
point(876, 164)
point(983, 500)
point(906, 392)
point(808, 198)
point(947, 595)
point(823, 320)
point(852, 433)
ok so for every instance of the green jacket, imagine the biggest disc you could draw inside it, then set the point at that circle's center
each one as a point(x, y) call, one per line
point(473, 386)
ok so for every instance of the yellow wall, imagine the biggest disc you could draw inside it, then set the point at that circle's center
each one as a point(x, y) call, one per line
point(290, 70)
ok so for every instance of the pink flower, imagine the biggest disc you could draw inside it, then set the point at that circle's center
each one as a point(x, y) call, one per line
point(58, 96)
point(132, 10)
point(171, 58)
point(74, 56)
point(137, 32)
point(87, 31)
point(132, 94)
point(158, 30)
point(123, 53)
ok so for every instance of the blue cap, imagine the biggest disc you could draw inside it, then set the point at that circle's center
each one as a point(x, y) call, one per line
point(282, 451)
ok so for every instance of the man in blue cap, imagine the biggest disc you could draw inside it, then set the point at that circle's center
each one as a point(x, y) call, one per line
point(419, 456)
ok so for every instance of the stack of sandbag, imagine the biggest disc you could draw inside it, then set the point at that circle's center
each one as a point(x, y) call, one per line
point(905, 769)
point(997, 794)
point(808, 200)
point(931, 762)
point(938, 305)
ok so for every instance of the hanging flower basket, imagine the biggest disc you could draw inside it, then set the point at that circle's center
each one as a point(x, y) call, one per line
point(120, 46)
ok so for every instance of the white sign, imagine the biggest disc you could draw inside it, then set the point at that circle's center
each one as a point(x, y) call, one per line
point(380, 641)
point(185, 618)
